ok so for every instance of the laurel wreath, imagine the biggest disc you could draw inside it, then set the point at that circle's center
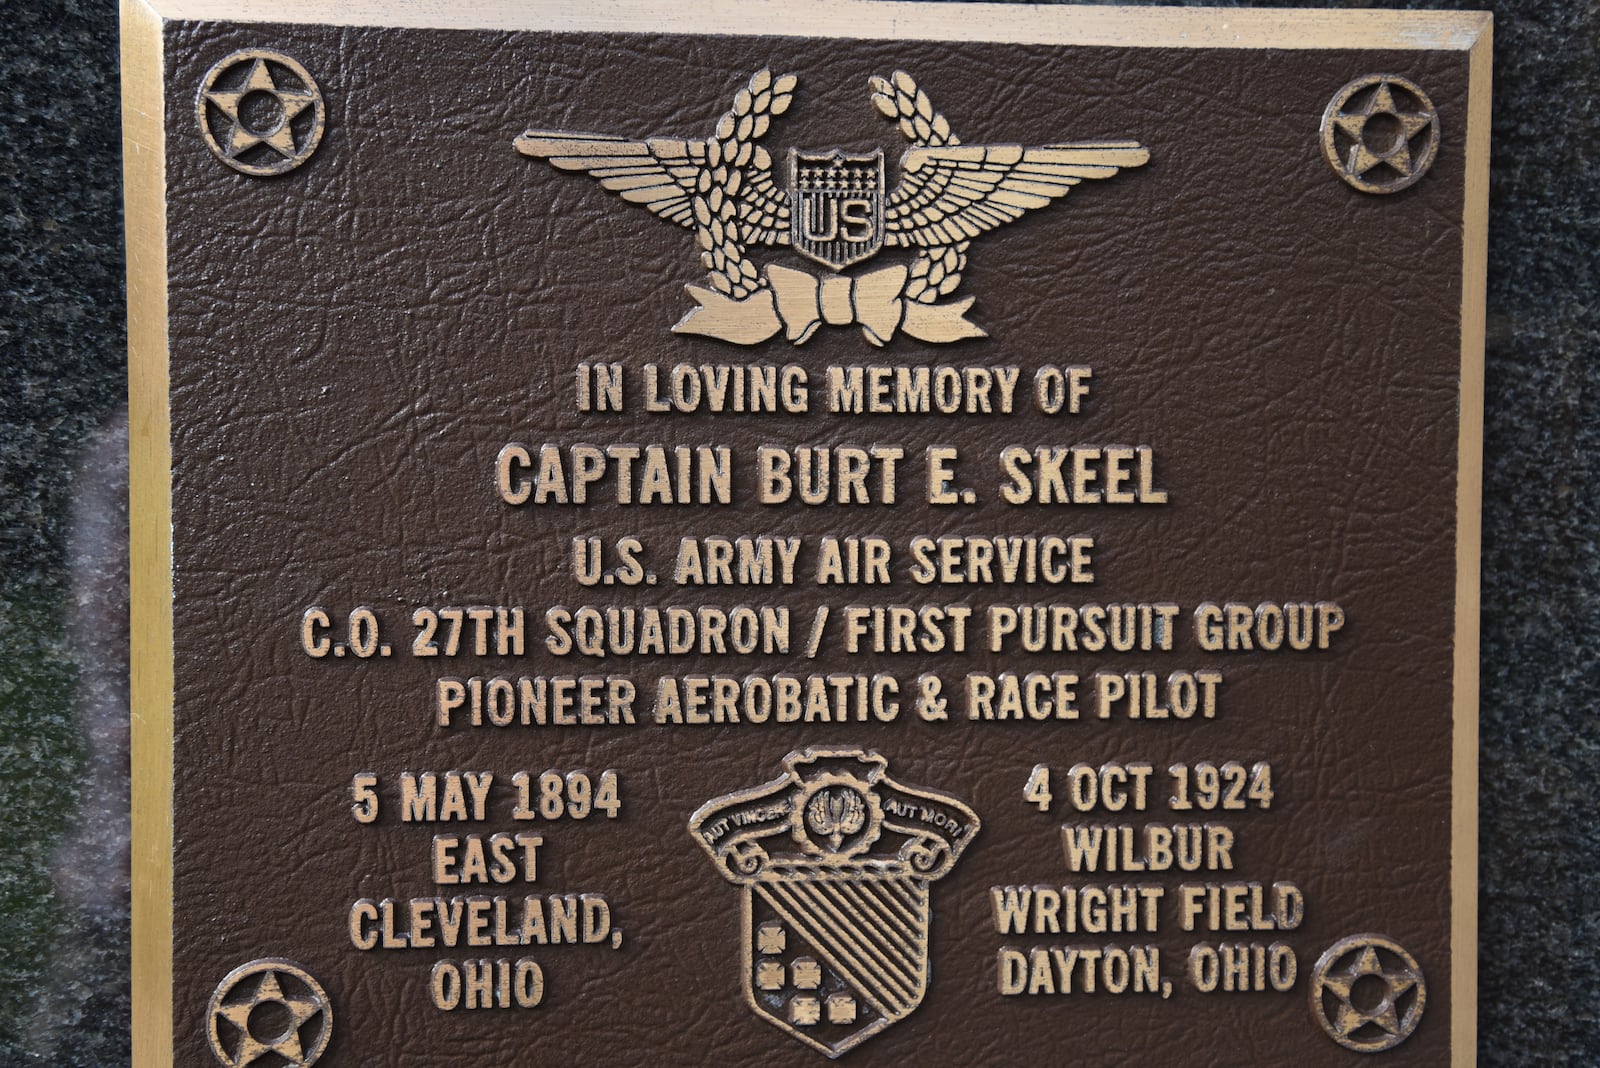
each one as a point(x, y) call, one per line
point(936, 272)
point(733, 159)
point(726, 215)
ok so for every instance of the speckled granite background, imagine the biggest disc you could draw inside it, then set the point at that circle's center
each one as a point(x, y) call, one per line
point(63, 599)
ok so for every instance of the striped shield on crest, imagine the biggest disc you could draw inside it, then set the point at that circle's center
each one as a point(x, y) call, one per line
point(837, 203)
point(834, 863)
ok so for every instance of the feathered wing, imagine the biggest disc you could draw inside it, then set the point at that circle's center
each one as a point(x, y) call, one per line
point(662, 174)
point(763, 209)
point(659, 174)
point(952, 193)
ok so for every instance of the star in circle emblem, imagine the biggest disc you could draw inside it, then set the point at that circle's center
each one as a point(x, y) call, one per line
point(1380, 133)
point(260, 112)
point(269, 1007)
point(1367, 993)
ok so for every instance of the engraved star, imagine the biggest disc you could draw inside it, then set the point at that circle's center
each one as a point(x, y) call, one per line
point(287, 1044)
point(241, 136)
point(1340, 983)
point(1381, 103)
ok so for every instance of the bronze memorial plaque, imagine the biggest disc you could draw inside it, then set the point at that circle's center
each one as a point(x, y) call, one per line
point(665, 536)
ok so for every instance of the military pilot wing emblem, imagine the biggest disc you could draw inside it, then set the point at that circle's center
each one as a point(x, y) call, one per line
point(834, 860)
point(833, 208)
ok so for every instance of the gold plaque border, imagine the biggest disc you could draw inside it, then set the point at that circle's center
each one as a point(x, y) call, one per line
point(1469, 542)
point(150, 453)
point(144, 176)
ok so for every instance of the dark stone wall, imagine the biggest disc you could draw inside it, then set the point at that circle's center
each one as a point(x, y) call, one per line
point(63, 602)
point(63, 536)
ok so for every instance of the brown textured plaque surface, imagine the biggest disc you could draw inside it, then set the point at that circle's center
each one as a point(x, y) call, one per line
point(351, 345)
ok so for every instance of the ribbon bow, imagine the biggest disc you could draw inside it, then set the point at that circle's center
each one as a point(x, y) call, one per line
point(797, 303)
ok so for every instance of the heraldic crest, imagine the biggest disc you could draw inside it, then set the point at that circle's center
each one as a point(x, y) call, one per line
point(834, 861)
point(833, 208)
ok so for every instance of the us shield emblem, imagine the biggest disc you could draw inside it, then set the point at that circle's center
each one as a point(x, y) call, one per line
point(834, 861)
point(838, 206)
